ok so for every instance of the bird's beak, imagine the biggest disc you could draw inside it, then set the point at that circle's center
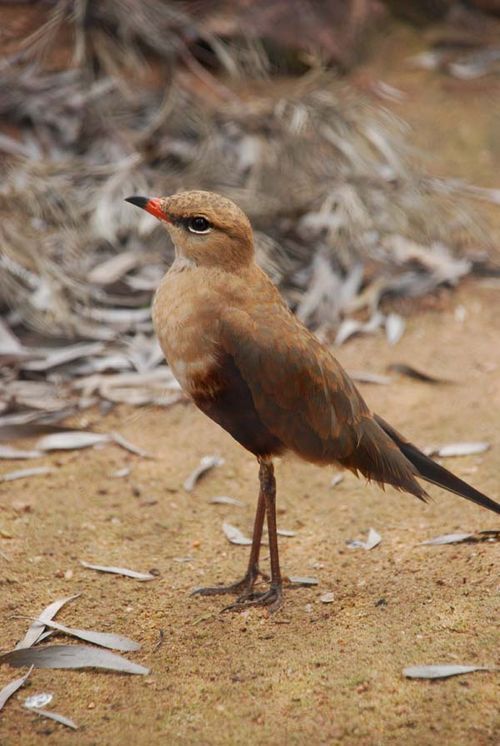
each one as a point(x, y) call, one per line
point(151, 205)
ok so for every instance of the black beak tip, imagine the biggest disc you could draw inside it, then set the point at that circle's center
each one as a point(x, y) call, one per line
point(138, 201)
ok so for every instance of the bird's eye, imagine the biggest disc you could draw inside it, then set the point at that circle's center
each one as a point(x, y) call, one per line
point(199, 224)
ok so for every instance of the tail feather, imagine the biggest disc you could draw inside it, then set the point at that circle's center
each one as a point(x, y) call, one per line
point(435, 473)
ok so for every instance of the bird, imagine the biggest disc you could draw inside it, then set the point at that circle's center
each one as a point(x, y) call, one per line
point(251, 366)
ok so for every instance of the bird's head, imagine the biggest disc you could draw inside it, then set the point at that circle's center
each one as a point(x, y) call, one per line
point(206, 228)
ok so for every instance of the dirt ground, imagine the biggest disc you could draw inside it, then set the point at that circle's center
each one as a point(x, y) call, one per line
point(323, 673)
point(314, 672)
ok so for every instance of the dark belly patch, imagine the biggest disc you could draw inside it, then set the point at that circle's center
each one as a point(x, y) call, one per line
point(224, 396)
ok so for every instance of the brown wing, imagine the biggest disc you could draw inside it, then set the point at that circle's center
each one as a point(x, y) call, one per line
point(300, 392)
point(304, 398)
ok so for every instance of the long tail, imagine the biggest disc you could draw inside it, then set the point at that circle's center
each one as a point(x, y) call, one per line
point(432, 472)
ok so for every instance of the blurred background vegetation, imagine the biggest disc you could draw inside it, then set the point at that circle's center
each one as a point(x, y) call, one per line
point(294, 108)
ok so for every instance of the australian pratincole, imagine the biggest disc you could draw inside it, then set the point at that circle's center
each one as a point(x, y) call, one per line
point(253, 368)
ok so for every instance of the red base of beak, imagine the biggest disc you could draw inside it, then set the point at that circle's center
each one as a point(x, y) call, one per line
point(151, 205)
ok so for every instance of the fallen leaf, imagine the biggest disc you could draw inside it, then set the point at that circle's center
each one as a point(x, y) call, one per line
point(224, 500)
point(71, 440)
point(411, 372)
point(8, 452)
point(119, 571)
point(394, 328)
point(234, 535)
point(366, 377)
point(54, 716)
point(119, 473)
point(428, 60)
point(53, 358)
point(458, 449)
point(336, 479)
point(71, 656)
point(104, 639)
point(112, 269)
point(206, 464)
point(35, 471)
point(10, 689)
point(441, 671)
point(302, 580)
point(448, 539)
point(39, 700)
point(11, 349)
point(45, 635)
point(36, 630)
point(372, 541)
point(349, 327)
point(388, 92)
point(490, 535)
point(128, 446)
point(285, 532)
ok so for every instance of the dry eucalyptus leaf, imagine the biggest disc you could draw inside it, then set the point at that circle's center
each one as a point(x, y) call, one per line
point(54, 716)
point(37, 628)
point(394, 328)
point(366, 377)
point(336, 479)
point(285, 532)
point(104, 639)
point(371, 542)
point(11, 349)
point(119, 571)
point(349, 327)
point(302, 580)
point(128, 446)
point(234, 535)
point(71, 656)
point(119, 473)
point(206, 464)
point(24, 473)
point(224, 500)
point(71, 440)
point(10, 689)
point(39, 700)
point(441, 671)
point(111, 270)
point(411, 372)
point(447, 539)
point(459, 449)
point(55, 358)
point(8, 452)
point(45, 635)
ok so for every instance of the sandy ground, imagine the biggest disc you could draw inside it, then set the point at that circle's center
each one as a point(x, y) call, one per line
point(323, 673)
point(314, 672)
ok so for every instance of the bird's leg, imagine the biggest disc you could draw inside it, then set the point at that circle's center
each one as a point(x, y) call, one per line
point(245, 585)
point(273, 597)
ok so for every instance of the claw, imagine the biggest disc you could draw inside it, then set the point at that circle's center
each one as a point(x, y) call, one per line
point(272, 599)
point(242, 587)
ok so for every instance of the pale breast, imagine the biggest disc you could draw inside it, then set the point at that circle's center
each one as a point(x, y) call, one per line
point(184, 318)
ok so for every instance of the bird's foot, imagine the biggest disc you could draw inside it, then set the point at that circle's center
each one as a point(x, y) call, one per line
point(272, 599)
point(242, 587)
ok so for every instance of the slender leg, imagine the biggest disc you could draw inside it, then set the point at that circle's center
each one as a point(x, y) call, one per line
point(272, 598)
point(245, 585)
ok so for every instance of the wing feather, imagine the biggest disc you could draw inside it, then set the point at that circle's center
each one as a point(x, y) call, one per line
point(300, 391)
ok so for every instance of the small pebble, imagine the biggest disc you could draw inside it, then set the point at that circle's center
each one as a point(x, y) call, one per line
point(327, 598)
